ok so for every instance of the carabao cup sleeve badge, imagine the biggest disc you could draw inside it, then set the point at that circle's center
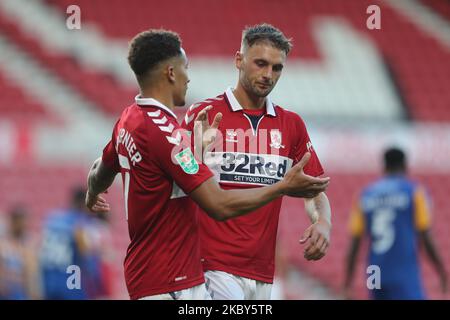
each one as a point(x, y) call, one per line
point(187, 161)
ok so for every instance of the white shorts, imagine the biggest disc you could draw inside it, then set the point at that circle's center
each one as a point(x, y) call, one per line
point(226, 286)
point(195, 293)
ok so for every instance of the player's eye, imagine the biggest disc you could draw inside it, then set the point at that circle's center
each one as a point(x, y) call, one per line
point(260, 63)
point(277, 67)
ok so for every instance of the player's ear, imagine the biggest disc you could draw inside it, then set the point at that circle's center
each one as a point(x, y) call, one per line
point(170, 71)
point(238, 57)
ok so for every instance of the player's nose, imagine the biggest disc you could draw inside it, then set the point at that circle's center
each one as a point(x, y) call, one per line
point(267, 76)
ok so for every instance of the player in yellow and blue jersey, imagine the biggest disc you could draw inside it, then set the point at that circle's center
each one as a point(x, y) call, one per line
point(394, 213)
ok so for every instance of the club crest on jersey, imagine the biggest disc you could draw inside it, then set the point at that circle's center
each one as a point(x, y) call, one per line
point(275, 139)
point(187, 161)
point(231, 135)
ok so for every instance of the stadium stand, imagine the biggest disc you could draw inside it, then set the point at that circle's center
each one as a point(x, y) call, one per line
point(102, 89)
point(441, 7)
point(419, 62)
point(16, 106)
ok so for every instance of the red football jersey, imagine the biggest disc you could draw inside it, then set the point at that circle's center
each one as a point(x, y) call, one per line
point(254, 148)
point(157, 169)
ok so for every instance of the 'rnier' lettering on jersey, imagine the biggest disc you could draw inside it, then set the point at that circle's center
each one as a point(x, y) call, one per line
point(125, 138)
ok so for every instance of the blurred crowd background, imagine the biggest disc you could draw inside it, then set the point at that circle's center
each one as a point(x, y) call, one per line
point(359, 91)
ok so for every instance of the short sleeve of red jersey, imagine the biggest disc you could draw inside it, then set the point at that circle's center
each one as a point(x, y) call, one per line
point(313, 167)
point(173, 153)
point(109, 157)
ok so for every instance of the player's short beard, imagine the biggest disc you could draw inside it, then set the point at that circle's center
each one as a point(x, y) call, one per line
point(247, 84)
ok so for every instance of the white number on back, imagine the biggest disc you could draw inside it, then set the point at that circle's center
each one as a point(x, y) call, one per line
point(125, 164)
point(383, 230)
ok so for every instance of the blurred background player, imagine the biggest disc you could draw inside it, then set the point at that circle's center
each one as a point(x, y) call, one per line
point(18, 264)
point(97, 274)
point(68, 240)
point(244, 266)
point(394, 213)
point(103, 256)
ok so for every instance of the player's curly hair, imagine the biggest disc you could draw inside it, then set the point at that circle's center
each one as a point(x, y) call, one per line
point(147, 49)
point(266, 33)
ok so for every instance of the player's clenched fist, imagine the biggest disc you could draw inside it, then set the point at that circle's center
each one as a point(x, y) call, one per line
point(317, 237)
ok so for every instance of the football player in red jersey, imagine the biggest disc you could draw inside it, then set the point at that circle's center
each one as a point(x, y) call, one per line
point(257, 142)
point(158, 170)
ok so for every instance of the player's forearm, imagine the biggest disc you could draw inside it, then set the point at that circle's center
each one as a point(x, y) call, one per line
point(350, 262)
point(318, 208)
point(99, 180)
point(33, 283)
point(239, 202)
point(94, 184)
point(432, 252)
point(247, 200)
point(222, 204)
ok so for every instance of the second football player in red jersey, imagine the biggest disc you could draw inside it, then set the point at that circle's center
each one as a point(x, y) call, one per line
point(158, 170)
point(256, 143)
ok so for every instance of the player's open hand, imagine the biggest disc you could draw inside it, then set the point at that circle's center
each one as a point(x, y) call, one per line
point(317, 240)
point(205, 132)
point(96, 204)
point(298, 184)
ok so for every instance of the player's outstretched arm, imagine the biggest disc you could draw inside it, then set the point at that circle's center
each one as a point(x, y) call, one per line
point(100, 178)
point(225, 204)
point(317, 235)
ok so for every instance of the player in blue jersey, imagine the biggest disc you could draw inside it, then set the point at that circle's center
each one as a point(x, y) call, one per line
point(65, 248)
point(394, 213)
point(18, 269)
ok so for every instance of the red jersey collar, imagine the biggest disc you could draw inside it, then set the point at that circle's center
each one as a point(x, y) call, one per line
point(153, 102)
point(235, 106)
